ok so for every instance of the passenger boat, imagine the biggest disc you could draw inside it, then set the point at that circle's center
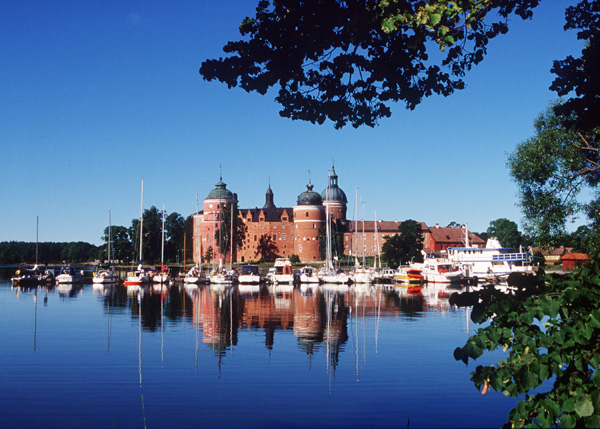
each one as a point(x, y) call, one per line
point(69, 274)
point(492, 261)
point(249, 275)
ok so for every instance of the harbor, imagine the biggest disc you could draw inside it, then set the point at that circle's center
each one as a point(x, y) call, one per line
point(266, 355)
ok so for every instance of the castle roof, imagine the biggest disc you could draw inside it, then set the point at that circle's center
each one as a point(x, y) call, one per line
point(309, 197)
point(220, 192)
point(333, 192)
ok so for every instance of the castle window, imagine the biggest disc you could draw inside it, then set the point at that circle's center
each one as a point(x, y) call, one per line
point(282, 226)
point(274, 226)
point(314, 225)
point(254, 237)
point(262, 219)
point(274, 237)
point(306, 214)
point(300, 249)
point(284, 219)
point(283, 236)
point(292, 237)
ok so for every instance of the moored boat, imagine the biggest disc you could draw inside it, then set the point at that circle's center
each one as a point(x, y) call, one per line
point(69, 274)
point(249, 275)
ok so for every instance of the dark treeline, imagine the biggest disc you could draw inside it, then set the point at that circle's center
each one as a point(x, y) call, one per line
point(18, 252)
point(125, 244)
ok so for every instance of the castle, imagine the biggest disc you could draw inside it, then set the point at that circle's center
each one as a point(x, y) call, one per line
point(295, 230)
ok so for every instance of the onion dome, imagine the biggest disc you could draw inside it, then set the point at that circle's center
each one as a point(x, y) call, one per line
point(220, 192)
point(333, 192)
point(310, 197)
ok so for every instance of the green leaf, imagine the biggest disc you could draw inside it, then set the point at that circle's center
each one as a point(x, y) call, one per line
point(434, 18)
point(584, 406)
point(567, 421)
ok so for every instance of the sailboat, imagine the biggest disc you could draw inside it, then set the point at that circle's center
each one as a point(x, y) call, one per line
point(163, 276)
point(327, 274)
point(195, 274)
point(140, 275)
point(106, 275)
point(34, 276)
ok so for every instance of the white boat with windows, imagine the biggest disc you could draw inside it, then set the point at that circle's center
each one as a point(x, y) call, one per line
point(308, 275)
point(438, 270)
point(249, 275)
point(69, 274)
point(492, 261)
point(281, 271)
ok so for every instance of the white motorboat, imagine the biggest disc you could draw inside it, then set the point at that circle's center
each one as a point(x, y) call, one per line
point(438, 270)
point(281, 272)
point(69, 274)
point(249, 275)
point(308, 275)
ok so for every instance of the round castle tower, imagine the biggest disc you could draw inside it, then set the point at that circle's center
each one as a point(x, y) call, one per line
point(309, 216)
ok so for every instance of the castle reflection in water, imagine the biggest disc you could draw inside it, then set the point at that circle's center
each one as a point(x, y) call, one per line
point(318, 316)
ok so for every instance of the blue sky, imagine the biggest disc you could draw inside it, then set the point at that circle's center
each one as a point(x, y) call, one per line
point(97, 95)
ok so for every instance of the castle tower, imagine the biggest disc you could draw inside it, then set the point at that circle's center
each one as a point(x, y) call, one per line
point(309, 216)
point(210, 221)
point(269, 204)
point(335, 198)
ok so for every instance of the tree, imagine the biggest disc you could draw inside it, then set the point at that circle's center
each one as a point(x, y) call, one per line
point(208, 255)
point(266, 249)
point(223, 233)
point(579, 77)
point(345, 61)
point(405, 246)
point(552, 169)
point(174, 230)
point(550, 327)
point(122, 245)
point(506, 231)
point(454, 224)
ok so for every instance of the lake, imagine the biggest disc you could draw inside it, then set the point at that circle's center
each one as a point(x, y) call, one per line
point(358, 357)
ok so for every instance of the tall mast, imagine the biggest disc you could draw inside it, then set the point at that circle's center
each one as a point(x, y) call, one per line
point(356, 226)
point(109, 244)
point(37, 228)
point(231, 234)
point(141, 222)
point(363, 233)
point(162, 249)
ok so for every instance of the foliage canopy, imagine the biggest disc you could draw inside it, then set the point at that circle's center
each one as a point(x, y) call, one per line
point(347, 60)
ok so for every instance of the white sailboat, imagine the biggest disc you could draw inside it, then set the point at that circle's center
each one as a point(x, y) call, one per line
point(139, 276)
point(163, 276)
point(327, 274)
point(106, 275)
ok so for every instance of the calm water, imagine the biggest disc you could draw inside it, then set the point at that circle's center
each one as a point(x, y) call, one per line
point(268, 357)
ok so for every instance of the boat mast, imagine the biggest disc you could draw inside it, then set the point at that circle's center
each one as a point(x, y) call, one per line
point(162, 250)
point(328, 230)
point(37, 229)
point(231, 234)
point(109, 244)
point(356, 226)
point(363, 234)
point(141, 223)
